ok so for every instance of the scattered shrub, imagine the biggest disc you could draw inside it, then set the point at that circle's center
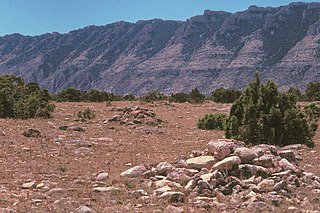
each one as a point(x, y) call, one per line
point(222, 95)
point(296, 93)
point(86, 114)
point(179, 97)
point(153, 96)
point(313, 91)
point(21, 100)
point(70, 94)
point(196, 97)
point(264, 115)
point(212, 121)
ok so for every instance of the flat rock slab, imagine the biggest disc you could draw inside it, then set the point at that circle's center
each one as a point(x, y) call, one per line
point(227, 163)
point(134, 172)
point(201, 162)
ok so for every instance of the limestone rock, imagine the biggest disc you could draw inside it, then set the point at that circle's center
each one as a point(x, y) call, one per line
point(134, 171)
point(29, 185)
point(174, 197)
point(201, 162)
point(106, 189)
point(227, 163)
point(173, 209)
point(246, 155)
point(266, 185)
point(163, 168)
point(84, 209)
point(102, 176)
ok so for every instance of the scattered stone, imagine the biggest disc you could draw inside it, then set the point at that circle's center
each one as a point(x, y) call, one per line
point(245, 154)
point(163, 168)
point(83, 151)
point(106, 189)
point(173, 209)
point(29, 185)
point(266, 185)
point(267, 160)
point(286, 165)
point(227, 163)
point(56, 191)
point(35, 133)
point(163, 183)
point(174, 197)
point(134, 172)
point(201, 162)
point(102, 176)
point(84, 209)
point(162, 190)
point(288, 154)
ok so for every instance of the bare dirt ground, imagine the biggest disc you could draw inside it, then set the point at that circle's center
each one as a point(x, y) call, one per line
point(68, 168)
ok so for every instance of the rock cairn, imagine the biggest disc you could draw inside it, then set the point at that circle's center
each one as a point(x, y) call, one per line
point(227, 175)
point(134, 115)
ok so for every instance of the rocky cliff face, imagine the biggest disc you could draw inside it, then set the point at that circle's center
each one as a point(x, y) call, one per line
point(216, 49)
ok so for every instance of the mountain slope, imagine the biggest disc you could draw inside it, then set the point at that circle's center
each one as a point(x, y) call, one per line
point(216, 49)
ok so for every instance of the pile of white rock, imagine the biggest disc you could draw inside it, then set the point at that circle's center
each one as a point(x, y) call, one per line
point(228, 175)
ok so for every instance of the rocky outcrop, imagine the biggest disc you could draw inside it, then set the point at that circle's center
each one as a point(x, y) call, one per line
point(216, 49)
point(243, 179)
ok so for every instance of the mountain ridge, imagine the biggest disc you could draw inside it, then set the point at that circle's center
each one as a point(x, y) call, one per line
point(216, 49)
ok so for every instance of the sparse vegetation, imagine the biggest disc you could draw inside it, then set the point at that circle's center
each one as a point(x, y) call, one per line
point(222, 95)
point(153, 96)
point(313, 91)
point(264, 115)
point(212, 121)
point(21, 100)
point(86, 114)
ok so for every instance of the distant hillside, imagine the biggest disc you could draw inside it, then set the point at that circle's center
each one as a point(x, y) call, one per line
point(216, 49)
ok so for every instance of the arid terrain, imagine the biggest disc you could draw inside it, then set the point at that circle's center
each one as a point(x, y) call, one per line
point(64, 161)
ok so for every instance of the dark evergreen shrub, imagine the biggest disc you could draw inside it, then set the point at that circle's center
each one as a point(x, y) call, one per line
point(179, 97)
point(222, 95)
point(196, 97)
point(264, 115)
point(21, 100)
point(153, 96)
point(70, 94)
point(313, 91)
point(212, 121)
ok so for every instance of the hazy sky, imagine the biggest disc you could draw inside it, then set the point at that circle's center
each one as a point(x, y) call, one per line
point(34, 17)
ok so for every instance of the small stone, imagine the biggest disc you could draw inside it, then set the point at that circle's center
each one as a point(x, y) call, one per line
point(201, 162)
point(286, 165)
point(162, 183)
point(288, 154)
point(134, 172)
point(173, 209)
point(35, 133)
point(163, 168)
point(227, 163)
point(84, 209)
point(174, 197)
point(246, 155)
point(29, 185)
point(162, 190)
point(293, 209)
point(282, 185)
point(102, 176)
point(40, 185)
point(266, 185)
point(56, 191)
point(106, 189)
point(266, 161)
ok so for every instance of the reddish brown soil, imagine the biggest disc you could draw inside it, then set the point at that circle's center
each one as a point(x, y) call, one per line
point(49, 157)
